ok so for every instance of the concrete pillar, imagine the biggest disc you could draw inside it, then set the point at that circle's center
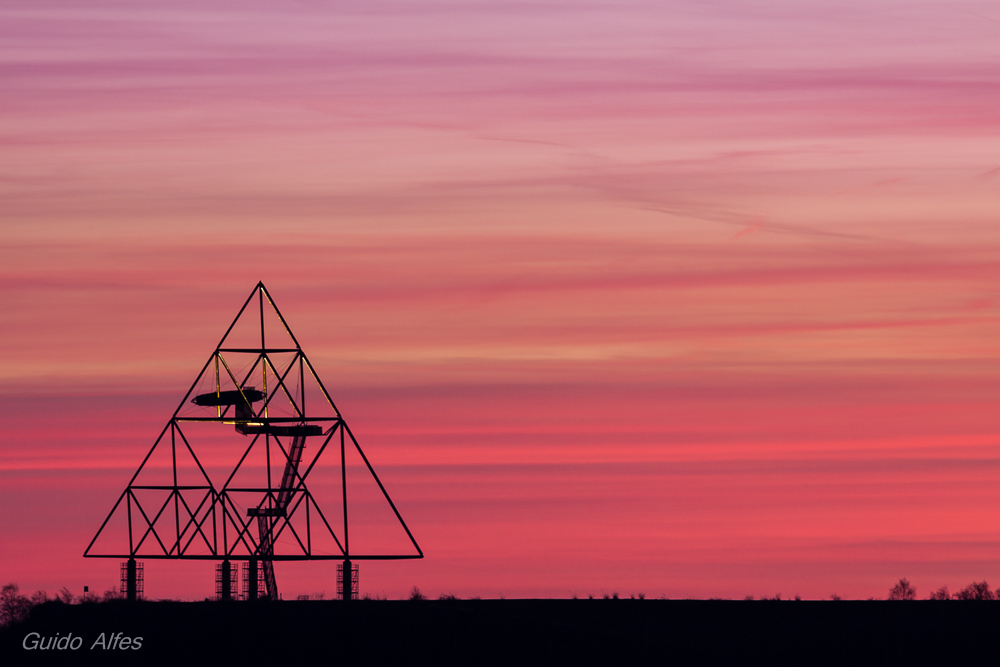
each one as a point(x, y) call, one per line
point(227, 580)
point(348, 580)
point(130, 581)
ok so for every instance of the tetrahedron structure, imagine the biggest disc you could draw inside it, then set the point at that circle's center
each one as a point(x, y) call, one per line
point(238, 474)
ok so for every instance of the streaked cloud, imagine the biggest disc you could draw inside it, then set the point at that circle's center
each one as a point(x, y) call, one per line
point(703, 295)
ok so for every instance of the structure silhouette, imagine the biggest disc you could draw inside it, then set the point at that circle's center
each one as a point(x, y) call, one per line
point(259, 385)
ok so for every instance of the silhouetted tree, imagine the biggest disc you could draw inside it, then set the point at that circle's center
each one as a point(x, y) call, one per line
point(903, 591)
point(941, 594)
point(415, 594)
point(975, 591)
point(65, 596)
point(13, 606)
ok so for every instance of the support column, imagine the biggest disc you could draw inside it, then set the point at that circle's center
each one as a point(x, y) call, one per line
point(130, 581)
point(348, 580)
point(252, 579)
point(227, 580)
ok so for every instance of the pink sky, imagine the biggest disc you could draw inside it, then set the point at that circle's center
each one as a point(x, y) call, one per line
point(682, 298)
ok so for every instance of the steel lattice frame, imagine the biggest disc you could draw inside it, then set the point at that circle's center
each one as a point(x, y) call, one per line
point(197, 526)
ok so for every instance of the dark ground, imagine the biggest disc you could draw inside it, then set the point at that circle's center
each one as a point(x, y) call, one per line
point(515, 632)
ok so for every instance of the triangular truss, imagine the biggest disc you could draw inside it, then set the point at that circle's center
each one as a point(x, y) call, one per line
point(258, 390)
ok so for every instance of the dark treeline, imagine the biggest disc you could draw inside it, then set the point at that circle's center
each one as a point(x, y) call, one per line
point(977, 590)
point(15, 606)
